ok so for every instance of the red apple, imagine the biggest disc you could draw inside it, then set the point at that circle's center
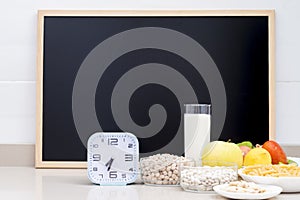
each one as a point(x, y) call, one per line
point(277, 153)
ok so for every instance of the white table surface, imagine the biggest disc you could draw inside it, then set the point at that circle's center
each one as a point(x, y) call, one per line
point(22, 183)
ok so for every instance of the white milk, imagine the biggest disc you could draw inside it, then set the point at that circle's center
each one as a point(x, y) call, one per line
point(196, 134)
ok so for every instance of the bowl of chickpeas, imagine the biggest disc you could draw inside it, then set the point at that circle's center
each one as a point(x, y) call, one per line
point(163, 169)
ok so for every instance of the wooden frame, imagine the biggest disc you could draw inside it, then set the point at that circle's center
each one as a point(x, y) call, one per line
point(39, 163)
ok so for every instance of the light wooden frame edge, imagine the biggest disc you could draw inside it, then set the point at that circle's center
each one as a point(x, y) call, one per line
point(39, 163)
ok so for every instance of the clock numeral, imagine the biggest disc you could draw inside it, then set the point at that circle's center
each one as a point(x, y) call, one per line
point(101, 175)
point(102, 140)
point(130, 145)
point(95, 145)
point(124, 140)
point(113, 141)
point(95, 169)
point(96, 157)
point(128, 157)
point(131, 169)
point(113, 174)
point(123, 175)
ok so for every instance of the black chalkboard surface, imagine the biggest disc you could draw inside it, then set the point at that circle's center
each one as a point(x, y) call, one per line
point(134, 71)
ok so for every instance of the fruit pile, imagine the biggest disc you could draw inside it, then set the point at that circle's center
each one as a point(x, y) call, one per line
point(269, 153)
point(245, 153)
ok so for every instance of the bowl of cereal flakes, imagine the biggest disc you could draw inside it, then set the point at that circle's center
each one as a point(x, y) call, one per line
point(247, 190)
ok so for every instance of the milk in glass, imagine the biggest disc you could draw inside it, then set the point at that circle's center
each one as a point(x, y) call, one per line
point(197, 120)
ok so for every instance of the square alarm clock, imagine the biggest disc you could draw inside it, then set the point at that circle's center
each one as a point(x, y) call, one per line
point(112, 158)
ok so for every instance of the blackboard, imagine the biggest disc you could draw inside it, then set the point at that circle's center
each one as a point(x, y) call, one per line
point(133, 71)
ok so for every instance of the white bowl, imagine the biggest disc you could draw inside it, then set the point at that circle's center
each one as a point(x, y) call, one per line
point(288, 184)
point(271, 191)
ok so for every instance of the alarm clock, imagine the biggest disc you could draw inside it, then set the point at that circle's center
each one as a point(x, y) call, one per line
point(112, 158)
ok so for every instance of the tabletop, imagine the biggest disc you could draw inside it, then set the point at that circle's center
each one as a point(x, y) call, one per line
point(47, 184)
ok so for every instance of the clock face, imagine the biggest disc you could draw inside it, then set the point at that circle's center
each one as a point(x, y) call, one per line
point(112, 158)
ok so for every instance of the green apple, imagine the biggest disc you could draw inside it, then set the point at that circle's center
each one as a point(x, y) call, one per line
point(246, 143)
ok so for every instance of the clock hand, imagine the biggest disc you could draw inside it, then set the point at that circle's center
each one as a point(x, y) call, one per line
point(109, 163)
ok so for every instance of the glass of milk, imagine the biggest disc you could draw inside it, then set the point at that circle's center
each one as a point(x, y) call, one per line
point(197, 118)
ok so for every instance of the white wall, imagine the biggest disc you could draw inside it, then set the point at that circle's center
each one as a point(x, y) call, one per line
point(18, 24)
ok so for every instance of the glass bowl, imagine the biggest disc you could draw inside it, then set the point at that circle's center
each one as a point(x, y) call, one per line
point(209, 174)
point(163, 169)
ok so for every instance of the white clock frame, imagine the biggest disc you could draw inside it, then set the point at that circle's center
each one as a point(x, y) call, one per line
point(112, 158)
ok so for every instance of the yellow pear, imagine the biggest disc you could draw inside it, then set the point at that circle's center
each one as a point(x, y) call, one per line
point(257, 156)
